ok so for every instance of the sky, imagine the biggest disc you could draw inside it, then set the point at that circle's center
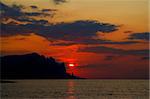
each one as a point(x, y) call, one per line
point(104, 38)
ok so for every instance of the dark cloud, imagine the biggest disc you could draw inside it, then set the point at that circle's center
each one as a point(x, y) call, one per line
point(108, 50)
point(145, 58)
point(33, 7)
point(140, 36)
point(79, 32)
point(64, 31)
point(59, 1)
point(100, 49)
point(15, 12)
point(99, 41)
point(12, 30)
point(91, 41)
point(33, 21)
point(89, 66)
point(49, 10)
point(124, 42)
point(108, 58)
point(10, 12)
point(36, 14)
point(63, 44)
point(78, 29)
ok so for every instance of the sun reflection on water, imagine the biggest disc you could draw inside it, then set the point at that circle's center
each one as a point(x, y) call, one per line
point(71, 90)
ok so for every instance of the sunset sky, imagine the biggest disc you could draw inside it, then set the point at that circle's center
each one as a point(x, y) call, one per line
point(104, 38)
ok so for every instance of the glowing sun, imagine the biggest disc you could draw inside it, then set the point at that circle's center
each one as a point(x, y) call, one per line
point(71, 65)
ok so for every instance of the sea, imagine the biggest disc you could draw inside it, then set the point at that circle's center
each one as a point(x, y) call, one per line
point(75, 89)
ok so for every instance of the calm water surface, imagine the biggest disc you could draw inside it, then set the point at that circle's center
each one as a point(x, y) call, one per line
point(75, 89)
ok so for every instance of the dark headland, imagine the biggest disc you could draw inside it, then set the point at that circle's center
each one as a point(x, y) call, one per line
point(32, 66)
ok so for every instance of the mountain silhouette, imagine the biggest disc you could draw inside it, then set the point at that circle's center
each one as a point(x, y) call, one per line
point(32, 66)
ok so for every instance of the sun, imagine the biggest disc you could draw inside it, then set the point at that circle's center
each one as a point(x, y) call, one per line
point(71, 65)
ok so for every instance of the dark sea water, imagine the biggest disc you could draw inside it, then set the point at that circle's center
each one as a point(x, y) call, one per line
point(75, 89)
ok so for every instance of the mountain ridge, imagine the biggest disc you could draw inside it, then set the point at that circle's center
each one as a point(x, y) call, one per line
point(32, 66)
